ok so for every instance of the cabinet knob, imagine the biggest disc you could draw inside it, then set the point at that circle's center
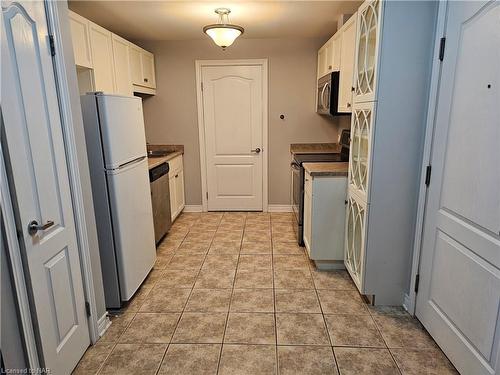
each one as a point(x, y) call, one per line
point(329, 67)
point(348, 105)
point(145, 79)
point(353, 89)
point(176, 175)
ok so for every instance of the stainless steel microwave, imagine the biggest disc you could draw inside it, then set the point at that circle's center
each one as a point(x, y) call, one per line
point(327, 101)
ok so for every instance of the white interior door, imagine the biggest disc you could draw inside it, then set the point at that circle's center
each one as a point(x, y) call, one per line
point(459, 295)
point(39, 177)
point(233, 112)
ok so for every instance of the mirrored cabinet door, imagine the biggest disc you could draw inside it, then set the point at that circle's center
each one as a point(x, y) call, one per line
point(367, 50)
point(361, 135)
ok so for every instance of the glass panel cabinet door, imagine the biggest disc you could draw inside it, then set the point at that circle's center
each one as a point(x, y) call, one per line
point(361, 134)
point(355, 239)
point(366, 50)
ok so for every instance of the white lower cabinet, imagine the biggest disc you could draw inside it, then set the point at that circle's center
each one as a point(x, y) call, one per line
point(355, 234)
point(176, 185)
point(324, 219)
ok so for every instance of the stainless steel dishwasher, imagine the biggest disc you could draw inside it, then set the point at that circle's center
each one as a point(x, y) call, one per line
point(160, 199)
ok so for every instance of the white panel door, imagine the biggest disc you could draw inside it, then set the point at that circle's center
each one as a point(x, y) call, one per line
point(121, 61)
point(39, 174)
point(102, 58)
point(459, 297)
point(347, 64)
point(233, 115)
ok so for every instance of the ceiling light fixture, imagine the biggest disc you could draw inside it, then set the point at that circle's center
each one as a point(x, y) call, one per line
point(222, 32)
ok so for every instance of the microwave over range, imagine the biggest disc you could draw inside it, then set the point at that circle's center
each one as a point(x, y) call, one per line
point(327, 100)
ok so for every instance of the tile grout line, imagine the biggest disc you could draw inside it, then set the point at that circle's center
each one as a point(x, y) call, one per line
point(232, 292)
point(187, 300)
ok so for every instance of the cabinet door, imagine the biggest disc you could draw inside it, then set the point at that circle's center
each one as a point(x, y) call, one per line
point(355, 239)
point(336, 52)
point(148, 69)
point(102, 54)
point(135, 65)
point(81, 40)
point(322, 62)
point(347, 64)
point(367, 41)
point(179, 190)
point(121, 65)
point(360, 152)
point(173, 200)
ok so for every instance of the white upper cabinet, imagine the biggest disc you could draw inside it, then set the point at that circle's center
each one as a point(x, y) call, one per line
point(121, 60)
point(142, 65)
point(109, 63)
point(368, 35)
point(148, 69)
point(102, 53)
point(135, 64)
point(329, 56)
point(81, 40)
point(347, 52)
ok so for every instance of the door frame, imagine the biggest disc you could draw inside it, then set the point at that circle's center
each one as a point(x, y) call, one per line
point(410, 300)
point(199, 64)
point(7, 207)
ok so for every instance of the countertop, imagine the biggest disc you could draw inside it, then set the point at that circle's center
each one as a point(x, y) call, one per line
point(315, 148)
point(327, 168)
point(175, 150)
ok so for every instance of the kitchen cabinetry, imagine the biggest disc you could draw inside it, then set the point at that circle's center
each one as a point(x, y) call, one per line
point(143, 68)
point(122, 65)
point(102, 58)
point(329, 56)
point(176, 185)
point(337, 55)
point(348, 32)
point(80, 35)
point(106, 62)
point(324, 218)
point(387, 130)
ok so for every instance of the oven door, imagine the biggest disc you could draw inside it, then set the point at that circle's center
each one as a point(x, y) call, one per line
point(296, 190)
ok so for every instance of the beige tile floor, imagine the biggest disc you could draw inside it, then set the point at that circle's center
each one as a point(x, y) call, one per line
point(231, 293)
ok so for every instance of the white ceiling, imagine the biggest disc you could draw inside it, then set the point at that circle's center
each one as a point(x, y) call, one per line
point(182, 20)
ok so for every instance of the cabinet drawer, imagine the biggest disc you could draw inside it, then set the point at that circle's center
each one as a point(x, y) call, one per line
point(175, 164)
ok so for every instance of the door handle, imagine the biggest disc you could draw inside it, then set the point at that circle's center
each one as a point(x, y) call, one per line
point(34, 227)
point(257, 150)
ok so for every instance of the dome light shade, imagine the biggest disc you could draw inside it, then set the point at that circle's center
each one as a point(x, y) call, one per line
point(223, 33)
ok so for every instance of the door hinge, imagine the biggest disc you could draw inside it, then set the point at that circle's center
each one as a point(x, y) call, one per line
point(442, 45)
point(428, 171)
point(417, 281)
point(52, 45)
point(87, 308)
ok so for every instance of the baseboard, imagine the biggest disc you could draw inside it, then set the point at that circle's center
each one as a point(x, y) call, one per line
point(103, 324)
point(193, 208)
point(279, 208)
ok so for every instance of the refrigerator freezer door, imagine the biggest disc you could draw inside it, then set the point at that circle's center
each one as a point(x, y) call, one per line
point(122, 129)
point(132, 217)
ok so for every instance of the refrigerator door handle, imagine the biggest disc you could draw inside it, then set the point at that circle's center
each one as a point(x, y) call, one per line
point(136, 160)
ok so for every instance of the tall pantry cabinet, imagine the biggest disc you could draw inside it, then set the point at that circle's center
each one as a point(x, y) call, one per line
point(394, 52)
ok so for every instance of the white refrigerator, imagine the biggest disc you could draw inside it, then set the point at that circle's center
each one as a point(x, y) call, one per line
point(116, 148)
